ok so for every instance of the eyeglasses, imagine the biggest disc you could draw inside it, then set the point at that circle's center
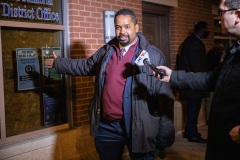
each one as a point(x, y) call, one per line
point(221, 12)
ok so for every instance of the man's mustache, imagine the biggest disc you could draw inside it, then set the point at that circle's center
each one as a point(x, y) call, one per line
point(120, 36)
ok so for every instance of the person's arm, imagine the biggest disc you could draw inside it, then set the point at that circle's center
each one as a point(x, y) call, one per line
point(187, 80)
point(78, 66)
point(235, 134)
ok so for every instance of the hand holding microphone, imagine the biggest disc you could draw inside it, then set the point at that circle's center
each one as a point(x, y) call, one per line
point(143, 59)
point(168, 73)
point(157, 71)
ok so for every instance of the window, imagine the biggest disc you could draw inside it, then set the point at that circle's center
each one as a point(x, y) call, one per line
point(32, 97)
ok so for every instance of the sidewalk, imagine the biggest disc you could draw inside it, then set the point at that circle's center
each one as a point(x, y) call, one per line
point(184, 150)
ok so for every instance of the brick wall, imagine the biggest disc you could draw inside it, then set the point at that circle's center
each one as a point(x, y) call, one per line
point(86, 36)
point(182, 21)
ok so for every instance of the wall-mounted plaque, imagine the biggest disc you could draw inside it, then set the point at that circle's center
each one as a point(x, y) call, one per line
point(28, 72)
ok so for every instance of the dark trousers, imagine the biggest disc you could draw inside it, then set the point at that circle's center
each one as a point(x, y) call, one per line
point(110, 142)
point(192, 111)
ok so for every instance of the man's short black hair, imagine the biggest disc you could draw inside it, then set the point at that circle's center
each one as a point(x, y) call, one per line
point(200, 25)
point(126, 12)
point(232, 4)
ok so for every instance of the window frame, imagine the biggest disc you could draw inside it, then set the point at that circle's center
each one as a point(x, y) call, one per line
point(64, 40)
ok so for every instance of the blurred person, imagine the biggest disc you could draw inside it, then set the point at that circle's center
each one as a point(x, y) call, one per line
point(128, 98)
point(215, 56)
point(193, 58)
point(224, 121)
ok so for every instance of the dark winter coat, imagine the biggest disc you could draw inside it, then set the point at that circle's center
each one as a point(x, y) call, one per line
point(225, 108)
point(214, 59)
point(192, 58)
point(146, 93)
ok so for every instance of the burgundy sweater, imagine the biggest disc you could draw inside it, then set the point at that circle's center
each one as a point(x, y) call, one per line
point(117, 72)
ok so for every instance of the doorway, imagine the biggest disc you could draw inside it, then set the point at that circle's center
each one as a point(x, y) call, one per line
point(156, 27)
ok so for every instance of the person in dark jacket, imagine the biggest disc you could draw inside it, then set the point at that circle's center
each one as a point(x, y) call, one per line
point(193, 58)
point(224, 121)
point(127, 100)
point(215, 56)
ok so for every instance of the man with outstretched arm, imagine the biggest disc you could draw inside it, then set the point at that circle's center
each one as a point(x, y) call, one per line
point(125, 109)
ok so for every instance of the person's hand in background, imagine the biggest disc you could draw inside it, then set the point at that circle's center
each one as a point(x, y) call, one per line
point(235, 134)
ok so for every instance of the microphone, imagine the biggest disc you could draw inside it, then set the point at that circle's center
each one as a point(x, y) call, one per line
point(159, 72)
point(143, 59)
